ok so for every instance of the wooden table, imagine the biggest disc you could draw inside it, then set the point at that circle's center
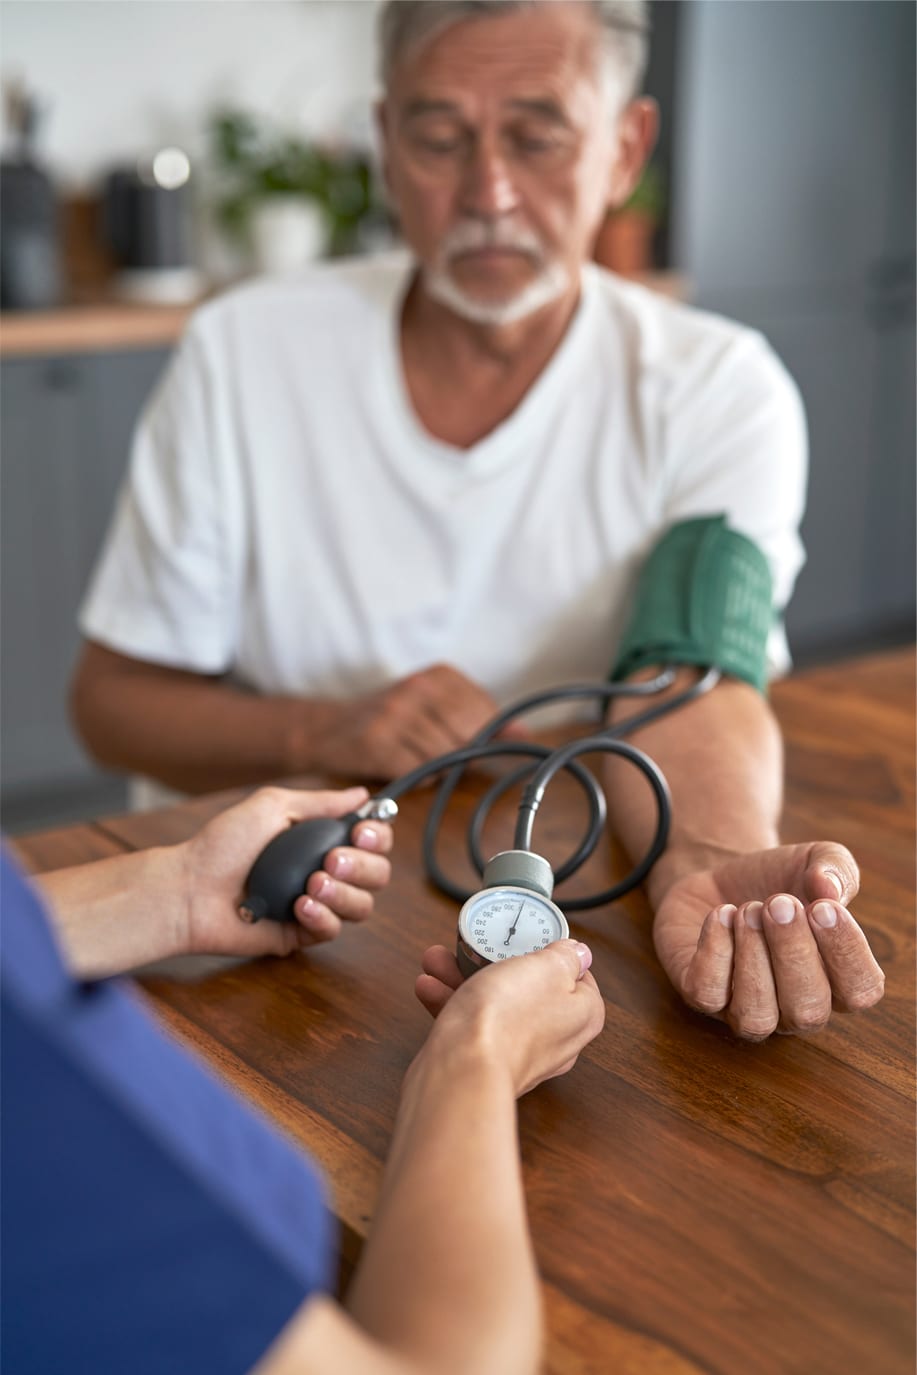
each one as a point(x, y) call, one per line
point(697, 1204)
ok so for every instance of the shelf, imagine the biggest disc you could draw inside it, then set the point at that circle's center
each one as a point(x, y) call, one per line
point(90, 329)
point(111, 325)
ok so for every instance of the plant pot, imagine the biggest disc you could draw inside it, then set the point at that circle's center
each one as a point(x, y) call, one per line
point(288, 232)
point(625, 242)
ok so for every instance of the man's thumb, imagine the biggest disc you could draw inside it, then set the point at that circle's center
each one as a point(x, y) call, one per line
point(831, 872)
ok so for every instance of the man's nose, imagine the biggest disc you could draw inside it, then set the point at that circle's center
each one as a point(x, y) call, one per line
point(488, 189)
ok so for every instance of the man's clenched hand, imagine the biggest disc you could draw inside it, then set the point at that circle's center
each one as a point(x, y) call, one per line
point(389, 732)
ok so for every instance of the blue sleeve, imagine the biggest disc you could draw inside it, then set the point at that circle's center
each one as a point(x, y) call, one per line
point(151, 1222)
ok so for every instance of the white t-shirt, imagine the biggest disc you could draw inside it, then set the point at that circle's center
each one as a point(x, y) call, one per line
point(287, 519)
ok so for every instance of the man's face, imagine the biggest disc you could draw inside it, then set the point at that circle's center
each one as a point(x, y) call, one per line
point(500, 142)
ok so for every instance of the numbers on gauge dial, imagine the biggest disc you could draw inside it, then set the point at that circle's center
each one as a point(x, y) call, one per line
point(511, 923)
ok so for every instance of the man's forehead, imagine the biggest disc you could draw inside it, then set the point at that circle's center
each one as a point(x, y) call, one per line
point(533, 57)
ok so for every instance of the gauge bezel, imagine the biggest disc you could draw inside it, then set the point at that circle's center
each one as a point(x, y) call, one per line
point(470, 958)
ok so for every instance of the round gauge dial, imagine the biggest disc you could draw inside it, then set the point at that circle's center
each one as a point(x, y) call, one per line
point(498, 923)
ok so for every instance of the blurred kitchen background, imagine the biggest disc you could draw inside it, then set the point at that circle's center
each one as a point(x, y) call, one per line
point(155, 151)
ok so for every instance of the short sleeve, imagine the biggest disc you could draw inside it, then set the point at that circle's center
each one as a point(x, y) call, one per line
point(737, 446)
point(164, 588)
point(151, 1221)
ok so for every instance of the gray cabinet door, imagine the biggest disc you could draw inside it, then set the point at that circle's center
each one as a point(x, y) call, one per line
point(784, 144)
point(794, 213)
point(65, 426)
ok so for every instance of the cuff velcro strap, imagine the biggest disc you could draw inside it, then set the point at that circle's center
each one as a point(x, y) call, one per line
point(705, 596)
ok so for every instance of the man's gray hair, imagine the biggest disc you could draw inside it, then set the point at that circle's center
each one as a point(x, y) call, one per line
point(625, 26)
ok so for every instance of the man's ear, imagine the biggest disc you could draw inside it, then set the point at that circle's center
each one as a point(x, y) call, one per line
point(638, 128)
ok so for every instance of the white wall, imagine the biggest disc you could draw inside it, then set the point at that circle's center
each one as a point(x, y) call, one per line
point(123, 77)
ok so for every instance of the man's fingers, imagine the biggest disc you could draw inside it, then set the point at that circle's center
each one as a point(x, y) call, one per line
point(831, 872)
point(803, 991)
point(426, 735)
point(429, 713)
point(385, 751)
point(459, 705)
point(513, 730)
point(448, 726)
point(753, 1012)
point(857, 980)
point(707, 982)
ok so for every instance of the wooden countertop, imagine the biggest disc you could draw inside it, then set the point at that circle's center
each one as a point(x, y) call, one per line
point(104, 326)
point(95, 328)
point(699, 1206)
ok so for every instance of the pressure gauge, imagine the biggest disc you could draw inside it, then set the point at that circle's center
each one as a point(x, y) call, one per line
point(509, 918)
point(498, 923)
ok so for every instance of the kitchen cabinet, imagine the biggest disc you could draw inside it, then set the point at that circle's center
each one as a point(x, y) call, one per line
point(794, 213)
point(65, 427)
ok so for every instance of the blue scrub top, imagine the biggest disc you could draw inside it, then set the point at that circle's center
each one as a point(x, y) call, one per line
point(151, 1222)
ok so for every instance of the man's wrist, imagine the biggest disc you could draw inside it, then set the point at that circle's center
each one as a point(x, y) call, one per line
point(305, 728)
point(692, 856)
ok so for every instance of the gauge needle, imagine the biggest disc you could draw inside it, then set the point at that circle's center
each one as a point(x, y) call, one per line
point(512, 929)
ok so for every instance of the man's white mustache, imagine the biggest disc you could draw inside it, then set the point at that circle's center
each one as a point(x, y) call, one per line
point(470, 235)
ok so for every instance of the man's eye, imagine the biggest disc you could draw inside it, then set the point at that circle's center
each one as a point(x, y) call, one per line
point(534, 144)
point(438, 142)
point(441, 146)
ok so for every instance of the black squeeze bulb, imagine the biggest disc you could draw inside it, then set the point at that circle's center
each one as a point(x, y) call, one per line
point(278, 876)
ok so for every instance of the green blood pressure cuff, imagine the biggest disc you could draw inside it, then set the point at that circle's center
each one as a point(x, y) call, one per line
point(704, 597)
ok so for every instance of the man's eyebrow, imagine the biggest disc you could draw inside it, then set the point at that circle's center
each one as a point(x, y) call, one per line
point(543, 106)
point(422, 105)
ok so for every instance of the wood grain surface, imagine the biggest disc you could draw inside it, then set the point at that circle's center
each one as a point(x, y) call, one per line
point(697, 1204)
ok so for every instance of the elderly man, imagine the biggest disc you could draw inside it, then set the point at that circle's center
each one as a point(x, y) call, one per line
point(368, 506)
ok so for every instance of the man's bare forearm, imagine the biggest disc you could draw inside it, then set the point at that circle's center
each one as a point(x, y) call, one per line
point(200, 733)
point(193, 733)
point(722, 756)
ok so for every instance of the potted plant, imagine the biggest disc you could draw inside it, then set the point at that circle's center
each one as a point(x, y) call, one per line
point(286, 200)
point(625, 240)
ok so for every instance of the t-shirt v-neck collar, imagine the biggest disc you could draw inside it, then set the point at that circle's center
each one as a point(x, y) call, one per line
point(508, 439)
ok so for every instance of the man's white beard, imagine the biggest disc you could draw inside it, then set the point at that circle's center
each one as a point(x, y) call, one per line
point(548, 286)
point(551, 282)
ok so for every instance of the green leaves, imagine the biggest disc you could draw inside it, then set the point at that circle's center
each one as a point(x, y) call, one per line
point(255, 161)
